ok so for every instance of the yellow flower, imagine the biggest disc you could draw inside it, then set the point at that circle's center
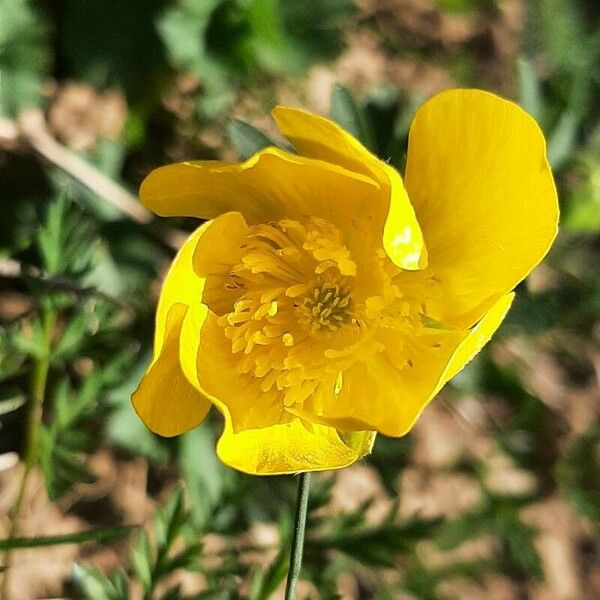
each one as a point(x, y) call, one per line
point(324, 299)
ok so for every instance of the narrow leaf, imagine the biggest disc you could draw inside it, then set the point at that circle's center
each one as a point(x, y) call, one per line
point(101, 534)
point(530, 94)
point(346, 111)
point(561, 142)
point(246, 138)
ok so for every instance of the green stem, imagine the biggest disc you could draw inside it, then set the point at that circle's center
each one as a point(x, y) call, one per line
point(32, 434)
point(298, 536)
point(38, 390)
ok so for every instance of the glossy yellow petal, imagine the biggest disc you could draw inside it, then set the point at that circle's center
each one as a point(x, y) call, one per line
point(402, 236)
point(266, 440)
point(478, 337)
point(212, 250)
point(377, 396)
point(181, 285)
point(361, 442)
point(271, 185)
point(219, 249)
point(189, 342)
point(294, 399)
point(483, 192)
point(165, 400)
point(290, 448)
point(317, 137)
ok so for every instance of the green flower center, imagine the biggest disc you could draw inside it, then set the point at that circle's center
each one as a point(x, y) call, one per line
point(327, 308)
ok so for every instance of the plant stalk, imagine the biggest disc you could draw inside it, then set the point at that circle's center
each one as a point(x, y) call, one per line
point(298, 536)
point(32, 433)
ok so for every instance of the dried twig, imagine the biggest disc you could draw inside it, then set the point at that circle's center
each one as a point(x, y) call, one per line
point(33, 128)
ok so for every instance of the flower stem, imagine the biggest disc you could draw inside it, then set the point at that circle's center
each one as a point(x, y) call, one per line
point(298, 536)
point(39, 378)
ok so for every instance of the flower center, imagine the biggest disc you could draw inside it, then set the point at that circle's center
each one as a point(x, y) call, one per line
point(328, 308)
point(299, 309)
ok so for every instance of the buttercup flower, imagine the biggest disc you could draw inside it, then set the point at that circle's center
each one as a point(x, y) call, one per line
point(325, 299)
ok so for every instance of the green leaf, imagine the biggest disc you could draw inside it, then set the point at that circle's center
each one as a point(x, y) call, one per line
point(190, 19)
point(141, 561)
point(380, 545)
point(500, 517)
point(204, 485)
point(456, 531)
point(169, 520)
point(247, 139)
point(582, 213)
point(153, 561)
point(230, 44)
point(557, 27)
point(11, 358)
point(395, 149)
point(561, 142)
point(101, 534)
point(578, 474)
point(463, 6)
point(183, 30)
point(530, 93)
point(72, 338)
point(518, 538)
point(317, 34)
point(97, 586)
point(108, 156)
point(65, 438)
point(62, 467)
point(25, 55)
point(124, 428)
point(112, 44)
point(11, 403)
point(29, 343)
point(346, 111)
point(66, 241)
point(266, 582)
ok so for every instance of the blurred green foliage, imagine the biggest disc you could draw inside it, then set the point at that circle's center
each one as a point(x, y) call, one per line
point(233, 43)
point(24, 56)
point(79, 259)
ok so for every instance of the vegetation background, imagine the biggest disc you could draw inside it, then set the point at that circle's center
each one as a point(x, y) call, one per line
point(495, 494)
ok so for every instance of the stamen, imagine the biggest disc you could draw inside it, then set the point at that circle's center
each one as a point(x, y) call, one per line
point(328, 308)
point(306, 311)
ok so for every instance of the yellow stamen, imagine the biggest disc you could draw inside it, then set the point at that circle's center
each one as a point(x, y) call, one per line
point(302, 317)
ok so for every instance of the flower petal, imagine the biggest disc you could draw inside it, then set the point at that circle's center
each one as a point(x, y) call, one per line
point(165, 400)
point(290, 448)
point(181, 285)
point(317, 137)
point(271, 185)
point(483, 192)
point(217, 248)
point(478, 337)
point(377, 396)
